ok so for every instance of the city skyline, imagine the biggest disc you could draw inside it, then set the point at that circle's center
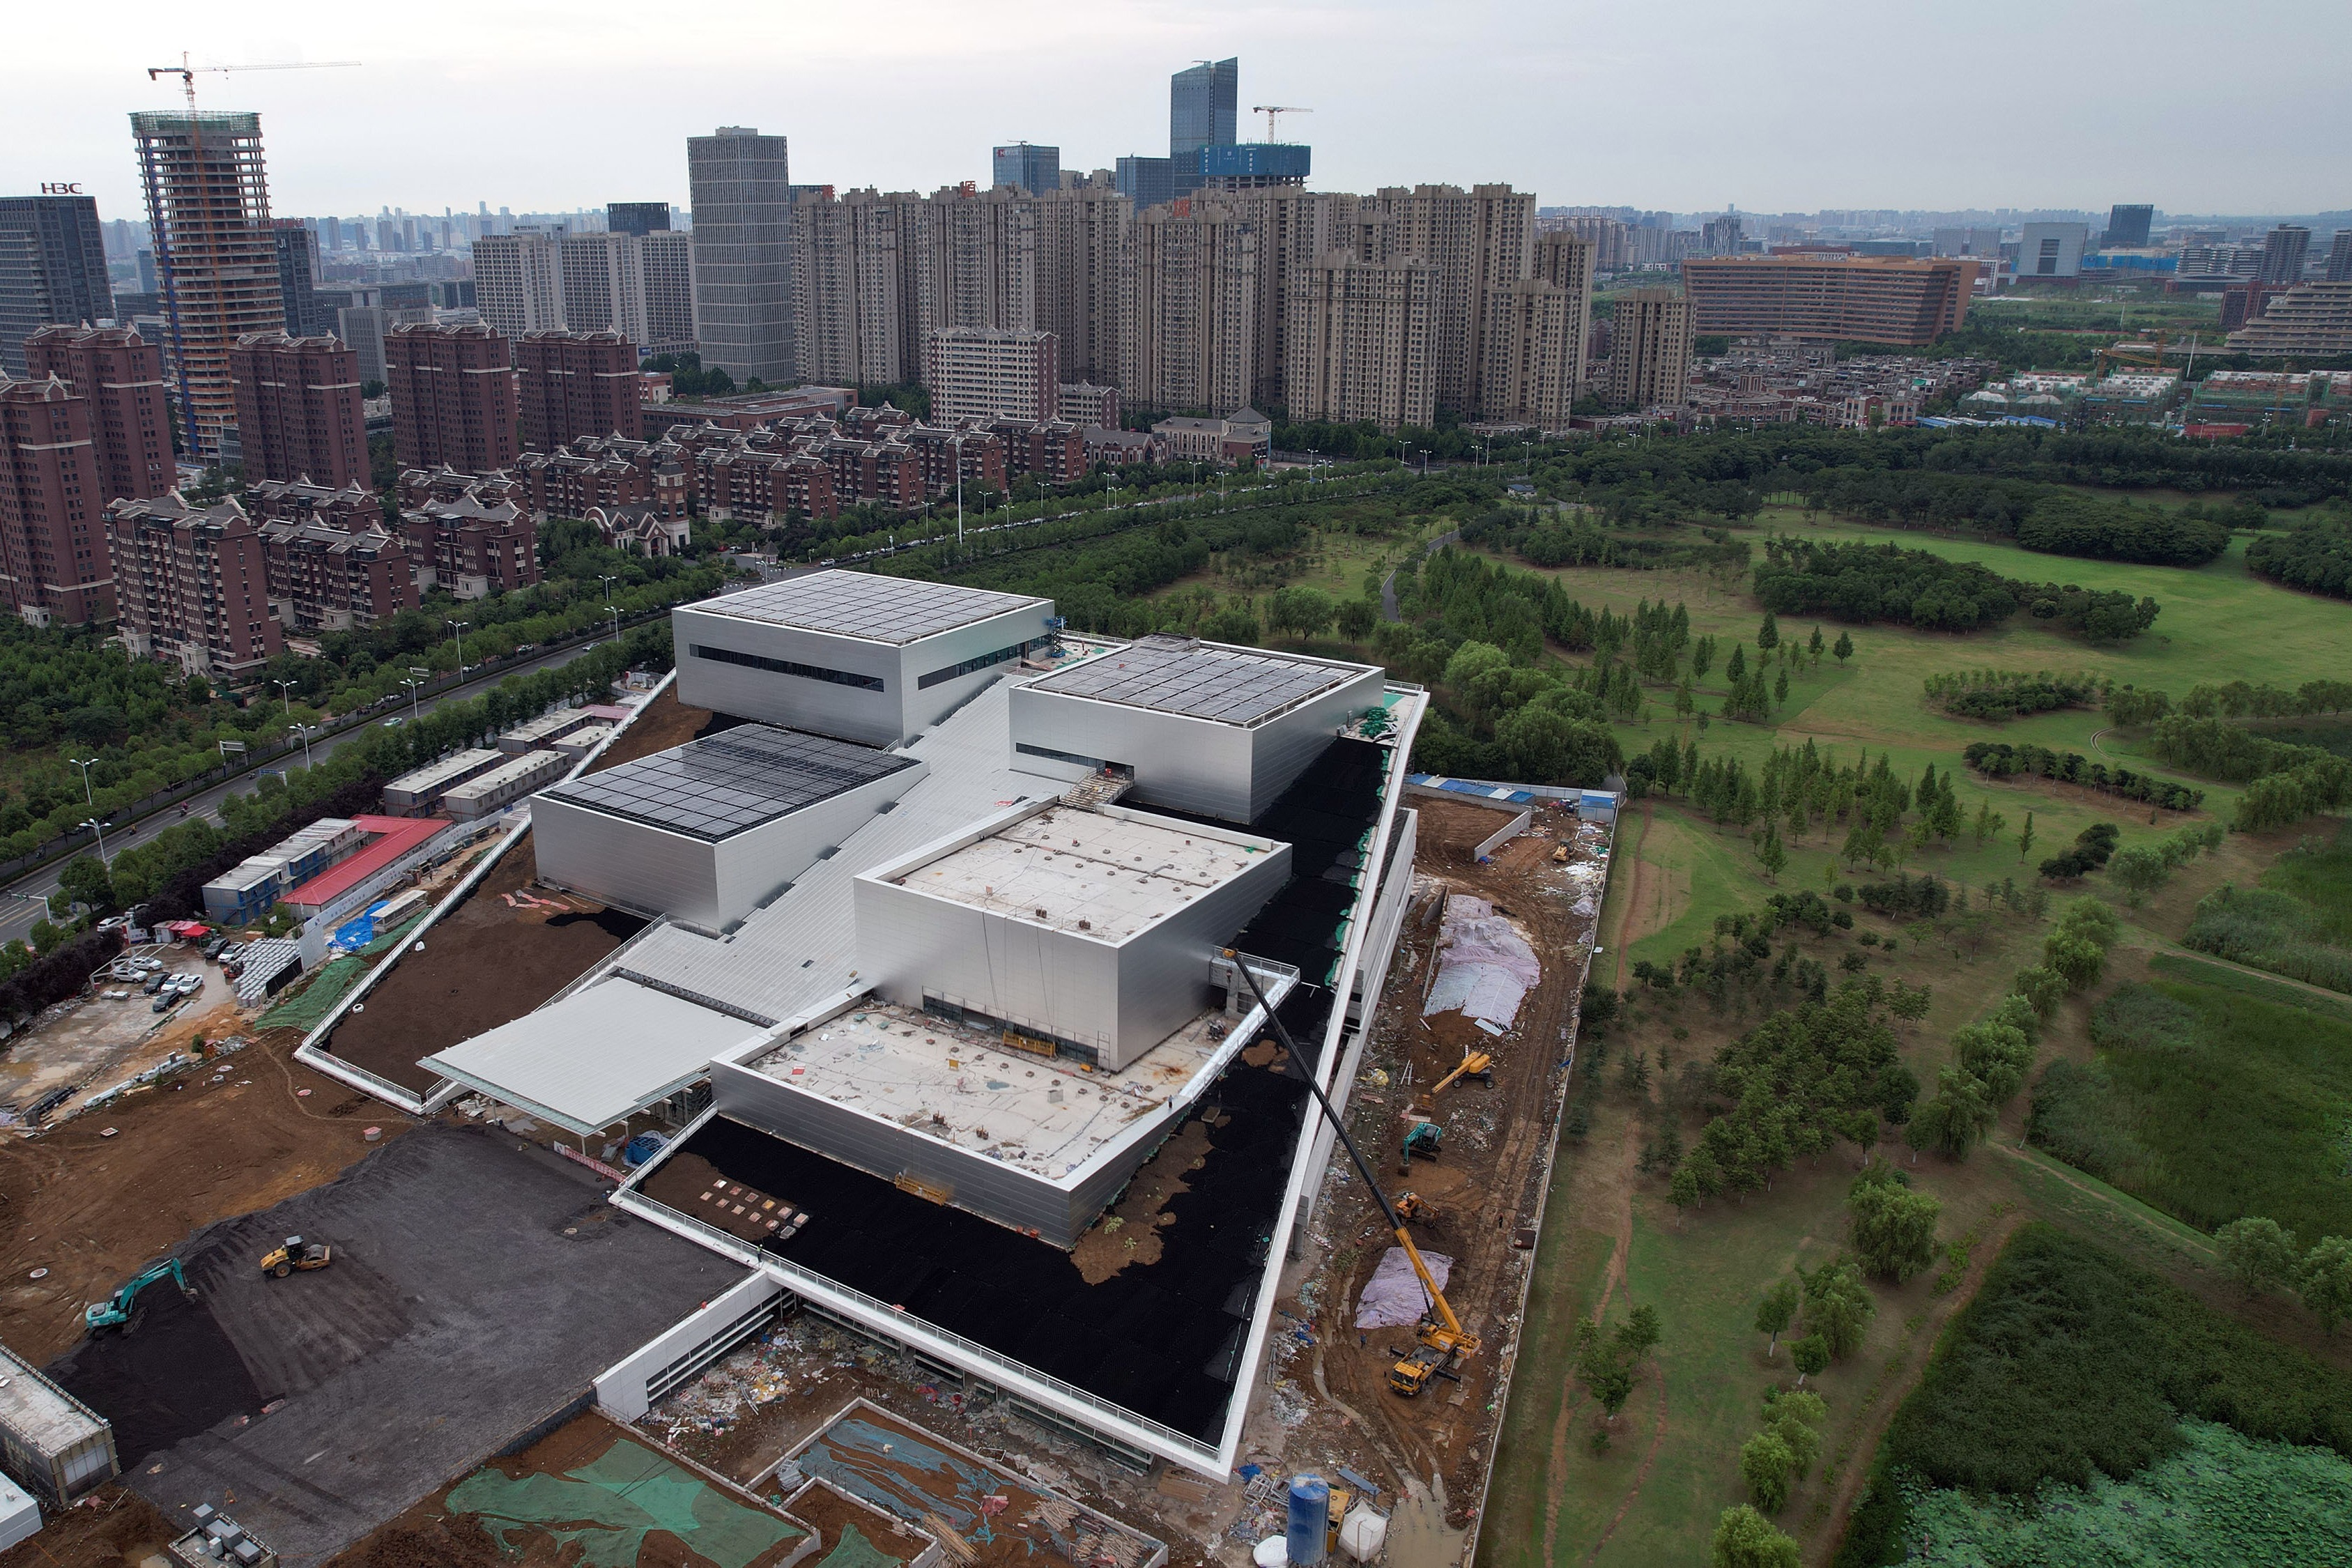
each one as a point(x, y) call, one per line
point(1728, 111)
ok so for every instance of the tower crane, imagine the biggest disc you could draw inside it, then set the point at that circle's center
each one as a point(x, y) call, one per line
point(186, 71)
point(1444, 1340)
point(1271, 110)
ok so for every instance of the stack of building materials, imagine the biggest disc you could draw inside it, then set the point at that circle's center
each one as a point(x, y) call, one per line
point(269, 965)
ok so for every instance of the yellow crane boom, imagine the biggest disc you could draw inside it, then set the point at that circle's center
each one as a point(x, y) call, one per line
point(1444, 1340)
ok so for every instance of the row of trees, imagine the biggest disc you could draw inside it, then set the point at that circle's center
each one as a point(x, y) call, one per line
point(1992, 1058)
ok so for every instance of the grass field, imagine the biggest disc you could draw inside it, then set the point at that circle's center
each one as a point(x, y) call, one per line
point(2219, 1105)
point(1654, 1495)
point(1876, 703)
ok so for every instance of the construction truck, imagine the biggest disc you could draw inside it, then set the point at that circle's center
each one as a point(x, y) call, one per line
point(1443, 1342)
point(114, 1312)
point(1414, 1209)
point(296, 1253)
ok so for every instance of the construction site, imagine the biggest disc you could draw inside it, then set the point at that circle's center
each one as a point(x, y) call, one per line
point(1121, 1135)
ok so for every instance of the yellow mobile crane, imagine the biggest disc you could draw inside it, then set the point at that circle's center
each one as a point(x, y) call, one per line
point(1444, 1340)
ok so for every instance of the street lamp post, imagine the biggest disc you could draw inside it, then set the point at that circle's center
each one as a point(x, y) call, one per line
point(286, 695)
point(303, 730)
point(461, 627)
point(959, 468)
point(85, 764)
point(415, 711)
point(48, 911)
point(95, 825)
point(608, 579)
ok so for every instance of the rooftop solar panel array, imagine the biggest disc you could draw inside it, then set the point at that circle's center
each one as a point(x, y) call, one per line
point(1174, 676)
point(713, 788)
point(862, 604)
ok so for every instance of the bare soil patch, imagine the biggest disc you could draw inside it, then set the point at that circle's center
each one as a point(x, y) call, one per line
point(489, 960)
point(94, 1209)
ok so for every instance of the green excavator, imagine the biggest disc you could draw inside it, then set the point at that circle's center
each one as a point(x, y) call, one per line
point(115, 1311)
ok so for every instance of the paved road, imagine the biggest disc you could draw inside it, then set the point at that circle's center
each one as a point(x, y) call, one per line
point(22, 906)
point(1388, 584)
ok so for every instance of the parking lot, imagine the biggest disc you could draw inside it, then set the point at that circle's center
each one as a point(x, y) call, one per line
point(114, 1033)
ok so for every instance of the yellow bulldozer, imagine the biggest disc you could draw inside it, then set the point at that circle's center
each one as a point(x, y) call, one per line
point(296, 1253)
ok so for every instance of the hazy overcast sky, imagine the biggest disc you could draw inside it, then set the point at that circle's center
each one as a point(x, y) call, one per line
point(1771, 105)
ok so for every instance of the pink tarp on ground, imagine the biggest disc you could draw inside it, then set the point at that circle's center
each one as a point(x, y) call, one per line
point(1392, 1297)
point(1485, 966)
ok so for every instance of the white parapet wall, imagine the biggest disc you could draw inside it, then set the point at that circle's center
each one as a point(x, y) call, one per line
point(639, 1380)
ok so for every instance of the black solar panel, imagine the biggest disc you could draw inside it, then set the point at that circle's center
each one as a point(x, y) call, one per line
point(862, 604)
point(1169, 676)
point(712, 788)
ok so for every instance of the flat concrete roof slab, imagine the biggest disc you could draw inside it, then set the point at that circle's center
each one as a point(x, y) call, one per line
point(1105, 874)
point(959, 1086)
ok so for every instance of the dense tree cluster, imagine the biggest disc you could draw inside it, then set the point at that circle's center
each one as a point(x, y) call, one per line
point(2314, 556)
point(1863, 582)
point(1801, 1080)
point(2001, 760)
point(1998, 694)
point(2073, 1364)
point(2067, 522)
point(2284, 783)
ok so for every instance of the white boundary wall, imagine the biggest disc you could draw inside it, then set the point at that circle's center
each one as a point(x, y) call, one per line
point(632, 1385)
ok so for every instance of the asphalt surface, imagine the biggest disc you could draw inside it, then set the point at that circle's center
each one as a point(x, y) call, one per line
point(478, 1287)
point(22, 906)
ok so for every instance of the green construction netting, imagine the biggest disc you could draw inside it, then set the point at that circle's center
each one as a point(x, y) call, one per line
point(308, 1007)
point(387, 940)
point(610, 1504)
point(855, 1551)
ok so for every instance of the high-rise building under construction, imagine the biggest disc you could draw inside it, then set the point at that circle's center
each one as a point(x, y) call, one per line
point(215, 255)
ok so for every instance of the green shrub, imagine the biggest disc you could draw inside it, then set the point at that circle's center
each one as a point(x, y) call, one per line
point(2072, 1364)
point(2267, 928)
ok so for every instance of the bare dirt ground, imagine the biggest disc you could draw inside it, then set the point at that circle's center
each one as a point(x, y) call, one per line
point(95, 1200)
point(113, 1526)
point(1335, 1406)
point(487, 962)
point(99, 1040)
point(665, 722)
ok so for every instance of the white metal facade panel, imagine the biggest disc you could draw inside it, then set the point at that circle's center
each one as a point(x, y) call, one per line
point(902, 708)
point(626, 864)
point(657, 872)
point(1121, 998)
point(1284, 747)
point(1227, 771)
